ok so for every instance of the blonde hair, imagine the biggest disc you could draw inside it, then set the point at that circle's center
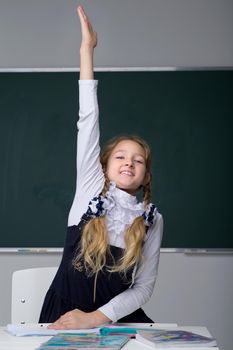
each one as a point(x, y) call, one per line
point(94, 242)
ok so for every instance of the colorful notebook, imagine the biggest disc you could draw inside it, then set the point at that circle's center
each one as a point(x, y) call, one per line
point(84, 341)
point(173, 338)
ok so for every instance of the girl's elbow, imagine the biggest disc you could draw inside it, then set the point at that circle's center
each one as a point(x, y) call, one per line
point(144, 293)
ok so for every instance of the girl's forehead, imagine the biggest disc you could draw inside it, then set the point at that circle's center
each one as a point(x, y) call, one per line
point(129, 146)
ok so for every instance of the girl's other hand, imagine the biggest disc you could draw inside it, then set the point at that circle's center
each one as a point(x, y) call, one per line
point(89, 36)
point(77, 319)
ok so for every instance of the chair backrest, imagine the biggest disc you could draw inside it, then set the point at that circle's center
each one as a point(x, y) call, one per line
point(28, 291)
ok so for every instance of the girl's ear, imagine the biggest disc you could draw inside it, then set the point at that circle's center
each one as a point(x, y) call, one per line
point(147, 179)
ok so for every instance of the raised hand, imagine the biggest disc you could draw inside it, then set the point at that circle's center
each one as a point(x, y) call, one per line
point(89, 36)
point(88, 43)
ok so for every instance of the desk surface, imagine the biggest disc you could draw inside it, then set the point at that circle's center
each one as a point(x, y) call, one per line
point(10, 342)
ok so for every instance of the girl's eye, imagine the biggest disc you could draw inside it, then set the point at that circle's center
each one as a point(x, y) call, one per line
point(139, 161)
point(119, 157)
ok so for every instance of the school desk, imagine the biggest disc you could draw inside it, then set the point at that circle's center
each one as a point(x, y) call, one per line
point(10, 342)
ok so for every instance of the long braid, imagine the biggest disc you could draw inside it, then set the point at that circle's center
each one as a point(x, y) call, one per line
point(147, 193)
point(106, 186)
point(94, 242)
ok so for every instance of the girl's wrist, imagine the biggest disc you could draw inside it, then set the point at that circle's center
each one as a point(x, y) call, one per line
point(85, 48)
point(98, 318)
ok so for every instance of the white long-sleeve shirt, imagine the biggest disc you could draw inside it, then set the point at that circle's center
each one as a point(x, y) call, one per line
point(89, 183)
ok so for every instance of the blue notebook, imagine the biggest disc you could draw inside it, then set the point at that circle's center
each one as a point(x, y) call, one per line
point(74, 341)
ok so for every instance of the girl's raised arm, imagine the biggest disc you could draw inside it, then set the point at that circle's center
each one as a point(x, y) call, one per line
point(90, 177)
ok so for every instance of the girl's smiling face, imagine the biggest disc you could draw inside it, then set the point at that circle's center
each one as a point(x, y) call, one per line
point(127, 166)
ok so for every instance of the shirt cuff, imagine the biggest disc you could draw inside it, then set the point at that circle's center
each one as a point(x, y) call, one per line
point(108, 311)
point(88, 82)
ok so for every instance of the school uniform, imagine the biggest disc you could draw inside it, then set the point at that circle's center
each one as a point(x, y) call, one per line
point(118, 296)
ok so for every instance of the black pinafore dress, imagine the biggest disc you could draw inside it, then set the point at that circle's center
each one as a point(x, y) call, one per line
point(73, 289)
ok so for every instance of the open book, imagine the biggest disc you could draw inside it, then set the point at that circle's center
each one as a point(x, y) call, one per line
point(40, 329)
point(173, 339)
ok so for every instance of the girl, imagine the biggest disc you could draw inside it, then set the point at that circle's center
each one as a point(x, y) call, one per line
point(111, 254)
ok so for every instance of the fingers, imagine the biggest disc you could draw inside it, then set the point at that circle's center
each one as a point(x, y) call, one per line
point(61, 322)
point(75, 319)
point(85, 23)
point(55, 325)
point(59, 325)
point(82, 16)
point(89, 37)
point(81, 13)
point(67, 321)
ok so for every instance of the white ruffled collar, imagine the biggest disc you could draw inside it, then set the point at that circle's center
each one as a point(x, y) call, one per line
point(123, 199)
point(120, 207)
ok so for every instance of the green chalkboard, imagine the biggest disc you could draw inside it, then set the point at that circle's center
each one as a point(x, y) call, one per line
point(186, 116)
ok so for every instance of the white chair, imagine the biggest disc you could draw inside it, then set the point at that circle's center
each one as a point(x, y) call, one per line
point(28, 291)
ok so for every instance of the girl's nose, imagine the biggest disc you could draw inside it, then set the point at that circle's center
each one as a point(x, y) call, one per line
point(129, 163)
